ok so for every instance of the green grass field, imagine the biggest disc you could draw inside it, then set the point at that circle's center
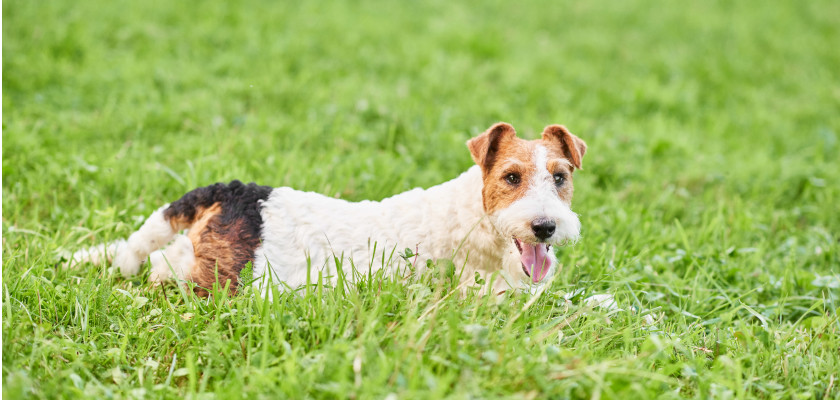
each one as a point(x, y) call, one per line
point(709, 195)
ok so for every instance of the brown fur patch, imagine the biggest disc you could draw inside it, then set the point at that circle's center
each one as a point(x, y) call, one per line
point(515, 156)
point(485, 147)
point(559, 138)
point(214, 252)
point(220, 252)
point(203, 218)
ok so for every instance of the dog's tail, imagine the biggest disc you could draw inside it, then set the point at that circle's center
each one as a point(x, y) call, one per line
point(97, 255)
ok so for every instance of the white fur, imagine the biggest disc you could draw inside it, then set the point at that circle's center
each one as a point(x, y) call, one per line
point(154, 233)
point(96, 255)
point(301, 227)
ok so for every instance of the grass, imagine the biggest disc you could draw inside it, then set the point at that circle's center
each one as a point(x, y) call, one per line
point(709, 195)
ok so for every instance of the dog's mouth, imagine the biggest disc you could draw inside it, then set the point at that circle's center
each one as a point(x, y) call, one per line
point(535, 260)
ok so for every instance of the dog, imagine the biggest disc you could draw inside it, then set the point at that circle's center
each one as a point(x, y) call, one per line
point(498, 220)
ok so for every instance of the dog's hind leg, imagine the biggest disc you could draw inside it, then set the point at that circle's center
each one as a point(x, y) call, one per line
point(154, 234)
point(177, 258)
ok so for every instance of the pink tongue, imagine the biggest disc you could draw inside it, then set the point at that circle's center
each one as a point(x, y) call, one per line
point(535, 259)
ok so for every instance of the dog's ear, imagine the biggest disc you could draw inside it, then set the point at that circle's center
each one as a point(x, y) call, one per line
point(484, 147)
point(570, 145)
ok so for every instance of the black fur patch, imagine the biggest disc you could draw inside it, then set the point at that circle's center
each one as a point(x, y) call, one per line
point(238, 201)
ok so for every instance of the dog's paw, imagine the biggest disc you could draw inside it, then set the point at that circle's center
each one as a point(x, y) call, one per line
point(127, 261)
point(161, 270)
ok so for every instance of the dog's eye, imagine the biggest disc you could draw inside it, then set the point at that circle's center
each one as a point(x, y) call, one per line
point(559, 178)
point(512, 179)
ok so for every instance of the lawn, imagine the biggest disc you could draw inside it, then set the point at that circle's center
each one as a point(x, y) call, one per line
point(709, 194)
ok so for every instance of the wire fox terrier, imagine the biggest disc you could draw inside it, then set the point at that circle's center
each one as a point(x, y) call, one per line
point(498, 219)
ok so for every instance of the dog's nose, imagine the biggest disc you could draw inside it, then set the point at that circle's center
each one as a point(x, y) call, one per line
point(543, 228)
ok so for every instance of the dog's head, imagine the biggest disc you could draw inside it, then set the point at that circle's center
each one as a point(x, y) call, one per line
point(527, 191)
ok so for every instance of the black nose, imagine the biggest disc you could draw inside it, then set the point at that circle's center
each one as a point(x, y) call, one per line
point(543, 228)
